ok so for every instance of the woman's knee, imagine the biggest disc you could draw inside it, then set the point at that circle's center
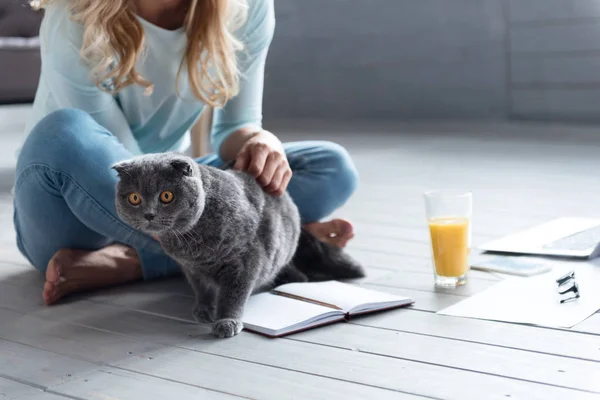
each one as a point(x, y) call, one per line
point(342, 175)
point(324, 178)
point(59, 139)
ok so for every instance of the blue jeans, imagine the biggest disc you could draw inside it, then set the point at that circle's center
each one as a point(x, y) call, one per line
point(65, 190)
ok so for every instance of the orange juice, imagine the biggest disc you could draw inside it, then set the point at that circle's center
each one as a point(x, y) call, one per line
point(450, 245)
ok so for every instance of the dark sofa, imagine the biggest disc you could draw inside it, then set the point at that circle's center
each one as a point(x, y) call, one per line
point(19, 51)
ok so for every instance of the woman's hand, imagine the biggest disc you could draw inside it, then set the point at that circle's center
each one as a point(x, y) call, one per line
point(263, 157)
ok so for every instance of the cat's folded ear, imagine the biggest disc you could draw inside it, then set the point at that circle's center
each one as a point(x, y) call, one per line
point(182, 166)
point(122, 168)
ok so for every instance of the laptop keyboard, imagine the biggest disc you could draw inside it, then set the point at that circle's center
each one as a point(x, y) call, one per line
point(583, 240)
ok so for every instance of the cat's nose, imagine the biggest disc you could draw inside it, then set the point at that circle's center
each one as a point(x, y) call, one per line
point(149, 216)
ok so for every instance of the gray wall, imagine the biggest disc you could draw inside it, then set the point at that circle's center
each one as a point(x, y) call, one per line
point(555, 59)
point(435, 59)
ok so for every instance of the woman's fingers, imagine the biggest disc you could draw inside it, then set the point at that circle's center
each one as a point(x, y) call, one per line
point(280, 181)
point(287, 176)
point(260, 152)
point(274, 162)
point(242, 160)
point(266, 164)
point(273, 186)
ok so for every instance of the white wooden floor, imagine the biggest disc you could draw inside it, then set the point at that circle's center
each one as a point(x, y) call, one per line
point(138, 342)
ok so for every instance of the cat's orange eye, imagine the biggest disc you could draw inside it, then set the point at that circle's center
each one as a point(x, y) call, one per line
point(166, 197)
point(135, 199)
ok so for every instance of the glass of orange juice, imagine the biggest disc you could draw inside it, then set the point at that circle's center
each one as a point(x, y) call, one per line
point(449, 219)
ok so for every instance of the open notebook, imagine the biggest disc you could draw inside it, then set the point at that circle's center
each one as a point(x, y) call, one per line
point(295, 307)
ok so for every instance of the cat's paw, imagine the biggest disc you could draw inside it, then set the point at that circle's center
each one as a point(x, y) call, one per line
point(203, 314)
point(227, 327)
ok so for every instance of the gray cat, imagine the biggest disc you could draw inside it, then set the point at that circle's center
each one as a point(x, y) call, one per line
point(230, 238)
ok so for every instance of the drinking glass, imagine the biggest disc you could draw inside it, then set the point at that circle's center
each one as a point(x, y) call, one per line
point(449, 215)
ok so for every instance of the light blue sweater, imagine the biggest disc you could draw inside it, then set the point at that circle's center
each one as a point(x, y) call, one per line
point(159, 122)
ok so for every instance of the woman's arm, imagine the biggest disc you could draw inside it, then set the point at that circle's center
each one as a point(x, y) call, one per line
point(237, 128)
point(243, 113)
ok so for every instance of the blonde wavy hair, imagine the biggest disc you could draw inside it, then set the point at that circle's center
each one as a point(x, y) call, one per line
point(113, 40)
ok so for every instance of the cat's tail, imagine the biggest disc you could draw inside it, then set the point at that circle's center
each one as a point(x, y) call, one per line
point(320, 261)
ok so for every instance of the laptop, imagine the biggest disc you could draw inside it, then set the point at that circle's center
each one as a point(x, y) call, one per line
point(563, 237)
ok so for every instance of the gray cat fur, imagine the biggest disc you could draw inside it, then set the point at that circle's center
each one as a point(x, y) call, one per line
point(229, 237)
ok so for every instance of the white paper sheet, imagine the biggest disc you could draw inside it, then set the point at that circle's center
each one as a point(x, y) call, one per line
point(535, 300)
point(343, 295)
point(277, 312)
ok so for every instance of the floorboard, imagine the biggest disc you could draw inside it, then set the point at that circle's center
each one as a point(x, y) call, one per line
point(36, 367)
point(137, 342)
point(252, 379)
point(74, 341)
point(114, 383)
point(479, 357)
point(563, 343)
point(251, 348)
point(11, 390)
point(13, 297)
point(505, 362)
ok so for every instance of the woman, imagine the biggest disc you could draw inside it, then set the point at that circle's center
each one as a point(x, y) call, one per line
point(128, 77)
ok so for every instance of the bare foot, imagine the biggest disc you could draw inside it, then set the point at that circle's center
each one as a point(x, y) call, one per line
point(72, 271)
point(336, 232)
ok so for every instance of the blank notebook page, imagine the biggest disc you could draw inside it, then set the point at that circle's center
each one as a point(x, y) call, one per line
point(277, 312)
point(343, 295)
